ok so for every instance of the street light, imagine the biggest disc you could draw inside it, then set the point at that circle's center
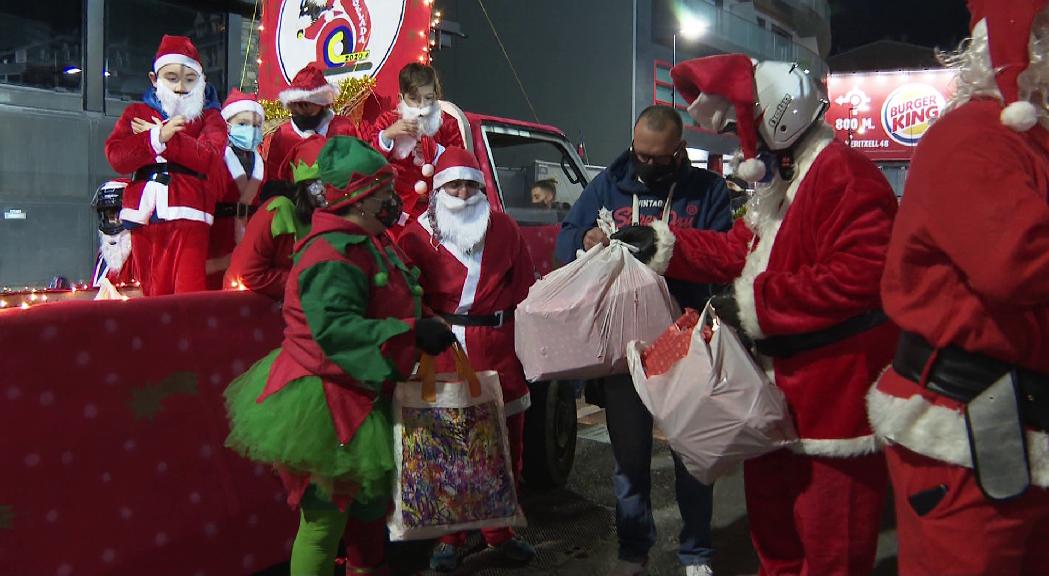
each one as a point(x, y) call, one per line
point(692, 28)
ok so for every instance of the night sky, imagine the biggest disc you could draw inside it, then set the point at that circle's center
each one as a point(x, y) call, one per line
point(934, 23)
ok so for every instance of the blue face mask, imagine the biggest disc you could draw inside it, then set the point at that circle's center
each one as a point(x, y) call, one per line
point(245, 137)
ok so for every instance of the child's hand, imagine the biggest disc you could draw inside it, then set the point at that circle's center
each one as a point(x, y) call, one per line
point(173, 126)
point(139, 125)
point(402, 127)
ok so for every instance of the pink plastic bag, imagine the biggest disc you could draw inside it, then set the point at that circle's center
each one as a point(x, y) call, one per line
point(576, 321)
point(715, 405)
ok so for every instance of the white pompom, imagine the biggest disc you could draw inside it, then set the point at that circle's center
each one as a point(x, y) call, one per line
point(1021, 116)
point(420, 187)
point(427, 170)
point(751, 170)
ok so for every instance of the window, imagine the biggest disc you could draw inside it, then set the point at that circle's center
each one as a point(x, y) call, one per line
point(133, 32)
point(523, 159)
point(41, 45)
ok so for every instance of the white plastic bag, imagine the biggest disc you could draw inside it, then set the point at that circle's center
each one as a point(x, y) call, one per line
point(576, 321)
point(454, 469)
point(715, 406)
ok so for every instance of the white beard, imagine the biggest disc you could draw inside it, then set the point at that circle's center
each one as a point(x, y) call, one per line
point(429, 123)
point(189, 105)
point(462, 223)
point(115, 249)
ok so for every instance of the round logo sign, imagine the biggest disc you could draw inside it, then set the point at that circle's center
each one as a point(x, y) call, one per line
point(910, 110)
point(346, 37)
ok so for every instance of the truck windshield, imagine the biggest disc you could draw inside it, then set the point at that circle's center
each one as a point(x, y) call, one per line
point(538, 177)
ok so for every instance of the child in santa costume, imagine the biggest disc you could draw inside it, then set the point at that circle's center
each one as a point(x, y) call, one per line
point(475, 270)
point(262, 259)
point(965, 407)
point(413, 136)
point(318, 407)
point(309, 99)
point(114, 240)
point(237, 181)
point(169, 143)
point(805, 264)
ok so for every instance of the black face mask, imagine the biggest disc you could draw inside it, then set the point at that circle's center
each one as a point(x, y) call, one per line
point(654, 174)
point(304, 122)
point(390, 210)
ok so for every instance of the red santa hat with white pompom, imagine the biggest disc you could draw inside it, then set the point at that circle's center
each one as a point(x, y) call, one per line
point(238, 102)
point(177, 50)
point(1007, 24)
point(309, 85)
point(457, 164)
point(730, 76)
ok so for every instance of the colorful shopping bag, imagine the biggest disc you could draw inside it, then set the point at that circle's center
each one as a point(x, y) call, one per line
point(454, 470)
point(671, 346)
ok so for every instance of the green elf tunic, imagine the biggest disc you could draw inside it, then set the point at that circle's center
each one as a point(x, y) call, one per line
point(318, 407)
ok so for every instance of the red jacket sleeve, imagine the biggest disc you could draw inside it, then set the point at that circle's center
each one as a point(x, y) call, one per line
point(371, 132)
point(200, 153)
point(449, 135)
point(708, 256)
point(125, 150)
point(260, 262)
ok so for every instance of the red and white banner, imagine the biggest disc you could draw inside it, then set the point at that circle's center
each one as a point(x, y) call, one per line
point(885, 114)
point(346, 37)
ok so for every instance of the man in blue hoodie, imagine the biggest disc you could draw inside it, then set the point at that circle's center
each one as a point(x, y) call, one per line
point(653, 180)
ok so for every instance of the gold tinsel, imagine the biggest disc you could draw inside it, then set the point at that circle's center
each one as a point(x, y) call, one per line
point(349, 102)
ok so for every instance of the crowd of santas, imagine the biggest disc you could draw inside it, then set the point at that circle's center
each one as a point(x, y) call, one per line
point(195, 171)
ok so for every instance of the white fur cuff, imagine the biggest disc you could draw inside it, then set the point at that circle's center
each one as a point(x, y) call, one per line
point(665, 240)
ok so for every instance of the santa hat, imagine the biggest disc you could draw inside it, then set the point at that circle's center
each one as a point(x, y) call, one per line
point(309, 85)
point(238, 102)
point(730, 76)
point(177, 50)
point(301, 160)
point(457, 164)
point(351, 171)
point(1008, 26)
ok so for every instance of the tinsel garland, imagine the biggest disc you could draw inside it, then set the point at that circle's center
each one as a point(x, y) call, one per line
point(352, 92)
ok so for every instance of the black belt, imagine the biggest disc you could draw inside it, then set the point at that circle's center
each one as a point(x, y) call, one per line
point(230, 209)
point(962, 375)
point(162, 171)
point(790, 345)
point(493, 320)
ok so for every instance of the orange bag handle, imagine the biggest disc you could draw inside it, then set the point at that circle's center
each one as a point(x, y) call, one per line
point(463, 369)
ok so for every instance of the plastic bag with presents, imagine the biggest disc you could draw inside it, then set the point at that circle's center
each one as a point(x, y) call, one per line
point(453, 458)
point(715, 405)
point(576, 321)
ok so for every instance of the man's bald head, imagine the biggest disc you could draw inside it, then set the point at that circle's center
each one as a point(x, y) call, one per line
point(660, 118)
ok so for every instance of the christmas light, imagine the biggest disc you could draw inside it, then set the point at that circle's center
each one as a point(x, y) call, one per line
point(25, 305)
point(3, 303)
point(261, 29)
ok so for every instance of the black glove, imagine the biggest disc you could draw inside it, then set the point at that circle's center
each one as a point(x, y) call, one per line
point(433, 336)
point(641, 237)
point(728, 310)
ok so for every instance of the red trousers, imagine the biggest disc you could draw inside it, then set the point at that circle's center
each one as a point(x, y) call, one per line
point(169, 256)
point(515, 435)
point(958, 531)
point(814, 516)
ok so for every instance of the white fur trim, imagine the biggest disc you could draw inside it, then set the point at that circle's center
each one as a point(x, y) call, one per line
point(233, 164)
point(758, 259)
point(177, 59)
point(427, 170)
point(258, 171)
point(517, 406)
point(243, 106)
point(939, 432)
point(1021, 116)
point(836, 448)
point(665, 240)
point(457, 173)
point(154, 140)
point(751, 170)
point(385, 144)
point(321, 95)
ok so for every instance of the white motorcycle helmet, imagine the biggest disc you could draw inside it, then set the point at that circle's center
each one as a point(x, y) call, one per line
point(788, 103)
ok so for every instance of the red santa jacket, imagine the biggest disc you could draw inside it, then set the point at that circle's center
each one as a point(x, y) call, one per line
point(262, 260)
point(968, 266)
point(815, 265)
point(493, 279)
point(197, 148)
point(278, 144)
point(222, 236)
point(408, 173)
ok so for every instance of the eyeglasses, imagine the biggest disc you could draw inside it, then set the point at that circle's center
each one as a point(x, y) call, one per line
point(664, 160)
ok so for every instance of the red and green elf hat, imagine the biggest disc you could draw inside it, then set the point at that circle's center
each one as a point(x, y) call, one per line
point(351, 171)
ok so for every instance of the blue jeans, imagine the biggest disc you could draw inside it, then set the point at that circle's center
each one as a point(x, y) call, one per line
point(630, 430)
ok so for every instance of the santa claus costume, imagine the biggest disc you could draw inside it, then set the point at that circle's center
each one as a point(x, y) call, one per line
point(114, 260)
point(804, 265)
point(318, 407)
point(310, 86)
point(476, 269)
point(237, 181)
point(965, 406)
point(262, 259)
point(167, 206)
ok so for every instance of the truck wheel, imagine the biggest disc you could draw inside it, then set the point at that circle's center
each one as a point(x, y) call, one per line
point(550, 435)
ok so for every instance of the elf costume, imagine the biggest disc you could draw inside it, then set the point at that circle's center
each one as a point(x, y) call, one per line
point(318, 407)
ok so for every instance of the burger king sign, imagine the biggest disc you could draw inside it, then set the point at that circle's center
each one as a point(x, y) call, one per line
point(909, 111)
